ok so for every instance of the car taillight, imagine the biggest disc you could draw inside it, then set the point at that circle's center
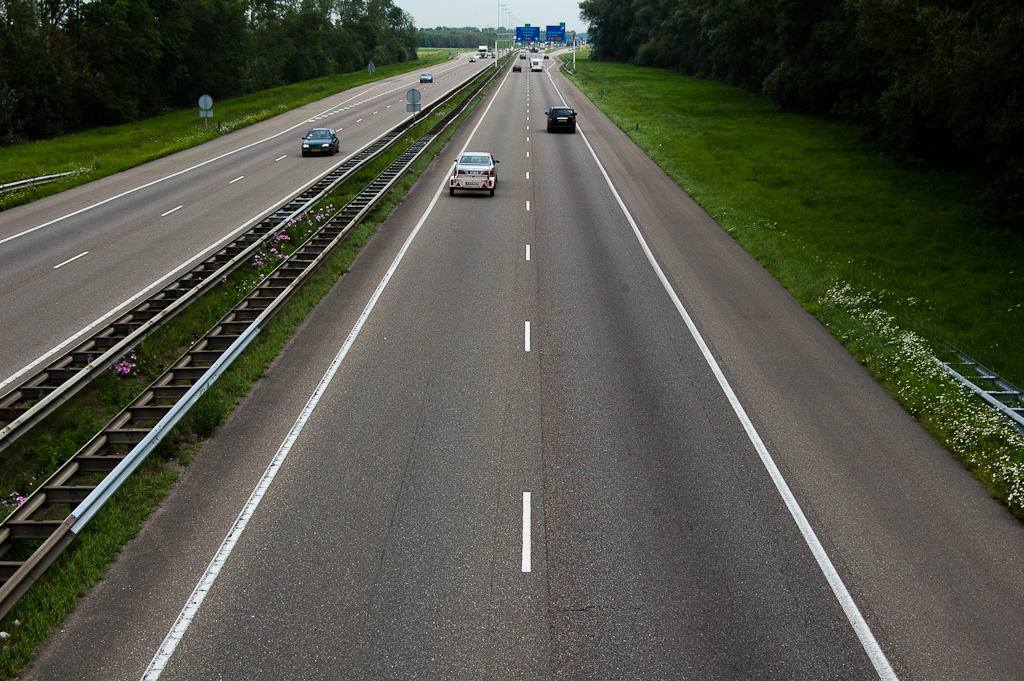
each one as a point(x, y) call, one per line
point(460, 172)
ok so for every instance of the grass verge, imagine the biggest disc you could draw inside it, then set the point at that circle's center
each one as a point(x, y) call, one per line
point(49, 601)
point(892, 256)
point(96, 153)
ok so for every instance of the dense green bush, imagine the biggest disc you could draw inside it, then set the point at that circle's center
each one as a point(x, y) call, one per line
point(67, 65)
point(938, 79)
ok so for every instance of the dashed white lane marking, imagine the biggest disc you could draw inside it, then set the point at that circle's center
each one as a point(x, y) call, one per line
point(83, 253)
point(526, 532)
point(280, 157)
point(236, 179)
point(163, 215)
point(527, 336)
point(527, 251)
point(156, 181)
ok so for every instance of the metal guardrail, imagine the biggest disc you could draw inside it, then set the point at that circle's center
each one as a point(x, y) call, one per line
point(148, 419)
point(33, 398)
point(18, 185)
point(997, 391)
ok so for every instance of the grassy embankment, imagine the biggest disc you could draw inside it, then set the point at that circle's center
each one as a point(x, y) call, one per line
point(894, 257)
point(93, 154)
point(35, 456)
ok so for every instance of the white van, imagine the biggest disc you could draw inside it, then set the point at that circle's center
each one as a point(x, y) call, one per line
point(536, 64)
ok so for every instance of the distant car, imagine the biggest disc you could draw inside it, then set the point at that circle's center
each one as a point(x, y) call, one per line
point(319, 141)
point(522, 54)
point(517, 68)
point(490, 55)
point(547, 57)
point(426, 78)
point(476, 170)
point(472, 58)
point(561, 118)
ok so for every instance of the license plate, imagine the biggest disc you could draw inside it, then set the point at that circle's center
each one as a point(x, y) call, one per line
point(473, 184)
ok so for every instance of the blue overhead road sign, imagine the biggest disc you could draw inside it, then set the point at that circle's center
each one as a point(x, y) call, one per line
point(556, 32)
point(527, 34)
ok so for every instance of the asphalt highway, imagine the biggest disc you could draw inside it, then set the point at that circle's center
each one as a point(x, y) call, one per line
point(74, 258)
point(570, 431)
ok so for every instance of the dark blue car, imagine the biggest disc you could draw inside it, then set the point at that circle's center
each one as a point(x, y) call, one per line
point(320, 141)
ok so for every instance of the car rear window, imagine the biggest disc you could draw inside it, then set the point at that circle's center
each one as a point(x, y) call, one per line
point(476, 160)
point(561, 111)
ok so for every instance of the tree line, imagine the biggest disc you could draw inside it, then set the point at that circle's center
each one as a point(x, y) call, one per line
point(458, 38)
point(66, 65)
point(938, 79)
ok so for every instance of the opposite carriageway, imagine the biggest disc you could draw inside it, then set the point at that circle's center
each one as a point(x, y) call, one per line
point(85, 482)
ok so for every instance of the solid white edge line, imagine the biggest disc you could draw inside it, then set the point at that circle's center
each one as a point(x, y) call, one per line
point(83, 253)
point(191, 609)
point(527, 563)
point(842, 594)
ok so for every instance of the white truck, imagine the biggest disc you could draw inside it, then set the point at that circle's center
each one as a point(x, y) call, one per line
point(536, 64)
point(482, 50)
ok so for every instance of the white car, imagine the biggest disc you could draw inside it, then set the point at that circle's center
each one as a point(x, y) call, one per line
point(476, 170)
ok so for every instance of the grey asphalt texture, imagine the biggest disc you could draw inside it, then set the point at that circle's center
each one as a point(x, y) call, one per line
point(389, 544)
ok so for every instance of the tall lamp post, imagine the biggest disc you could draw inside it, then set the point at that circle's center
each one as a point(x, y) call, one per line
point(504, 10)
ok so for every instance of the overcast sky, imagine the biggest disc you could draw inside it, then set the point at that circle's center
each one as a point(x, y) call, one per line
point(485, 13)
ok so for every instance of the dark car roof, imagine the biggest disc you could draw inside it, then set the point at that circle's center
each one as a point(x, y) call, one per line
point(562, 109)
